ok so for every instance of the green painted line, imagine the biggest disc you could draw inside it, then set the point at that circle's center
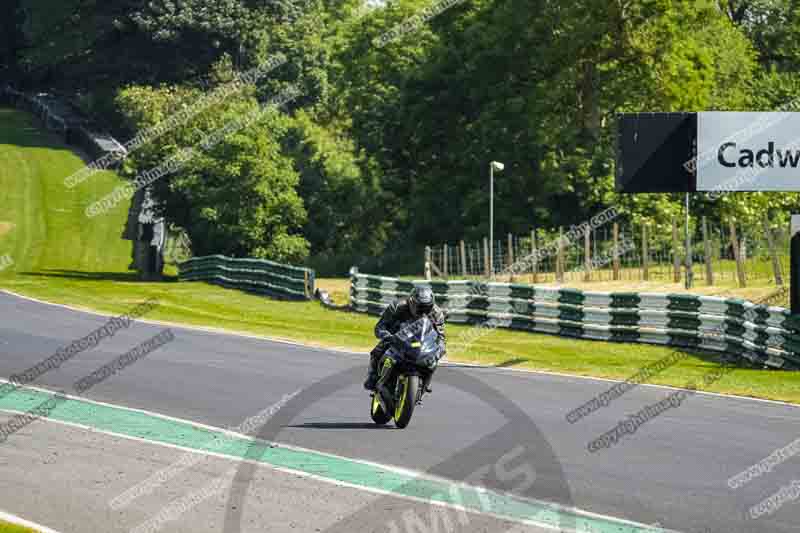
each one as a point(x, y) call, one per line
point(129, 423)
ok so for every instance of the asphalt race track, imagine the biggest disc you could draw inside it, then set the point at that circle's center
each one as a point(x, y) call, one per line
point(673, 470)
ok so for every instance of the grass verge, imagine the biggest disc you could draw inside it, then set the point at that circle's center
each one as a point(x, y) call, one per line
point(6, 527)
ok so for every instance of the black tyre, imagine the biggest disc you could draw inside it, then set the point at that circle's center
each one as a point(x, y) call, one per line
point(406, 400)
point(379, 416)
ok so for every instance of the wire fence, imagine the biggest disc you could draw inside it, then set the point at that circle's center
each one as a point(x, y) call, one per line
point(634, 253)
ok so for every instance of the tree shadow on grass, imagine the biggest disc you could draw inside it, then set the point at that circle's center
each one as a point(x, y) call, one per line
point(93, 276)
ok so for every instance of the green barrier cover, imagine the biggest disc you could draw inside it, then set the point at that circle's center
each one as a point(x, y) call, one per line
point(253, 275)
point(760, 334)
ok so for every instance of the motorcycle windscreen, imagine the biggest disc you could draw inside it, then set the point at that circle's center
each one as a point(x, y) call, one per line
point(421, 342)
point(431, 347)
point(412, 331)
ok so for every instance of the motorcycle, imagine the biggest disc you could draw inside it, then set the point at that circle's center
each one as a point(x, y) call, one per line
point(402, 370)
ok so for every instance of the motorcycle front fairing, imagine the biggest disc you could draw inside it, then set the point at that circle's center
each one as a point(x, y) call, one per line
point(420, 345)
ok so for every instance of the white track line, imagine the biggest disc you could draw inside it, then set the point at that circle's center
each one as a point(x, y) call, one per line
point(400, 470)
point(218, 331)
point(14, 519)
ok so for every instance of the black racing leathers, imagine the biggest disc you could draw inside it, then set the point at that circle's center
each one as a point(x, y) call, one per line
point(399, 313)
point(394, 317)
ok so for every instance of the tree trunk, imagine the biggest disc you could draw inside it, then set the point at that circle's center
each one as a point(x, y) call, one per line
point(587, 101)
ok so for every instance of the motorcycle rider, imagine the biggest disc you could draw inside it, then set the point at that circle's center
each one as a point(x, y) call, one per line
point(420, 302)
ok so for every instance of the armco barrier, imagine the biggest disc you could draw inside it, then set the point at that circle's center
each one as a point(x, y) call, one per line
point(251, 275)
point(764, 335)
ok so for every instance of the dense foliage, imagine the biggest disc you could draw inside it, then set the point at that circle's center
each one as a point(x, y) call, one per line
point(387, 147)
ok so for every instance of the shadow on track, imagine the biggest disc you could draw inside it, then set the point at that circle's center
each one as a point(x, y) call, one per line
point(340, 425)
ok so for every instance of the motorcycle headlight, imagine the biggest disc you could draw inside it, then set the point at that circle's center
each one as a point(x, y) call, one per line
point(429, 360)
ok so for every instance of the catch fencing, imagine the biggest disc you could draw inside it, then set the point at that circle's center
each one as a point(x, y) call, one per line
point(729, 253)
point(59, 117)
point(761, 334)
point(252, 275)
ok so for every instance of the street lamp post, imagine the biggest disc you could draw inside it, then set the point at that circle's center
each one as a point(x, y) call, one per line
point(494, 165)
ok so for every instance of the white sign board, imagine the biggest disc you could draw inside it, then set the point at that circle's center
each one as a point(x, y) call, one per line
point(795, 225)
point(748, 151)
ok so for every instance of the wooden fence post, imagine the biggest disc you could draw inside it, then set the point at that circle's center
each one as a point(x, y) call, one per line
point(534, 258)
point(738, 256)
point(510, 256)
point(463, 259)
point(560, 256)
point(645, 254)
point(773, 252)
point(486, 256)
point(709, 258)
point(616, 260)
point(676, 255)
point(444, 260)
point(587, 253)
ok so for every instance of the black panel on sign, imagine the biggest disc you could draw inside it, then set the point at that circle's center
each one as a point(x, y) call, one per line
point(652, 149)
point(794, 272)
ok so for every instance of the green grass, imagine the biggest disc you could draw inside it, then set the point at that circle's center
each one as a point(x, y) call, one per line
point(42, 223)
point(65, 258)
point(5, 527)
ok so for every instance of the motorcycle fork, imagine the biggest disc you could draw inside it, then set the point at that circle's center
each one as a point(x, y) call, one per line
point(383, 376)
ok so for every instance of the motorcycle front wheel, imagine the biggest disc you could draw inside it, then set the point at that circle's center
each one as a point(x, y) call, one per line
point(379, 416)
point(407, 387)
